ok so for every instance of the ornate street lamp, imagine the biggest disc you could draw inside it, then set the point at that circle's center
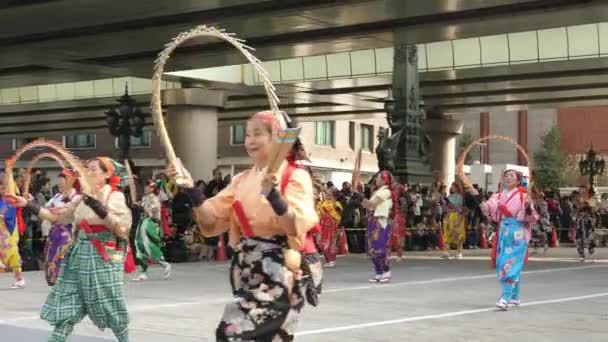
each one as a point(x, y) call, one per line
point(124, 121)
point(592, 166)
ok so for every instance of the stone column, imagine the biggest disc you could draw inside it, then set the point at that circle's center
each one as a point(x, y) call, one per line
point(191, 118)
point(443, 132)
point(522, 136)
point(405, 116)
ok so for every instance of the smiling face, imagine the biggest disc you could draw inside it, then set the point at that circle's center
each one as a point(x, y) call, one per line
point(258, 140)
point(511, 179)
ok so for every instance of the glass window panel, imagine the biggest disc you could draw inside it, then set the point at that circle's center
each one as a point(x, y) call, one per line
point(466, 52)
point(81, 141)
point(553, 43)
point(10, 95)
point(351, 135)
point(315, 67)
point(66, 91)
point(363, 62)
point(141, 86)
point(103, 87)
point(522, 46)
point(85, 89)
point(367, 137)
point(324, 133)
point(47, 92)
point(338, 64)
point(582, 40)
point(440, 55)
point(603, 29)
point(237, 135)
point(143, 140)
point(274, 70)
point(319, 133)
point(28, 94)
point(291, 69)
point(494, 49)
point(422, 57)
point(384, 60)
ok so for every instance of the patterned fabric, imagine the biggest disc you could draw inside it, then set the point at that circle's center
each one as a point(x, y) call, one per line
point(267, 301)
point(57, 243)
point(329, 218)
point(88, 285)
point(511, 254)
point(585, 233)
point(454, 228)
point(378, 238)
point(399, 232)
point(9, 237)
point(147, 242)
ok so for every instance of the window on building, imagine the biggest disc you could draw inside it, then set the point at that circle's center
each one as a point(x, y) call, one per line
point(18, 142)
point(351, 135)
point(79, 141)
point(324, 133)
point(143, 141)
point(367, 137)
point(237, 134)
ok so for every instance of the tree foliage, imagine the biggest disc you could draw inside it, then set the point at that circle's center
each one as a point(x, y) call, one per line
point(550, 162)
point(465, 140)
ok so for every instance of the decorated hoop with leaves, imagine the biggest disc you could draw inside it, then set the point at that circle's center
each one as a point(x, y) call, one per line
point(460, 166)
point(58, 148)
point(159, 67)
point(45, 155)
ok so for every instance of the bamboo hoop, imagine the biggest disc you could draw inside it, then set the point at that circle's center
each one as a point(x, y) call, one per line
point(131, 181)
point(58, 148)
point(159, 67)
point(465, 152)
point(45, 155)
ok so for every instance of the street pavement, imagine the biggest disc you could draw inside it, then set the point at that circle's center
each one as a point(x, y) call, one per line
point(428, 300)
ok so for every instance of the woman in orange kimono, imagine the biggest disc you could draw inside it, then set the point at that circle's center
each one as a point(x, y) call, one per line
point(267, 228)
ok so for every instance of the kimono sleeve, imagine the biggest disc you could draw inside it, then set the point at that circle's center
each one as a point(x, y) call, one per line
point(64, 215)
point(492, 205)
point(220, 207)
point(300, 197)
point(382, 195)
point(119, 215)
point(10, 217)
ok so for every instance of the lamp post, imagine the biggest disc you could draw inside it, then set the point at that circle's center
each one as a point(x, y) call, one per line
point(592, 166)
point(124, 121)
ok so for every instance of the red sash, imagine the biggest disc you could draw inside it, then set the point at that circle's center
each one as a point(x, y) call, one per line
point(100, 247)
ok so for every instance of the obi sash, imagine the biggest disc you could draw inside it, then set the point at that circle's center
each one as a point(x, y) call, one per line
point(246, 230)
point(97, 244)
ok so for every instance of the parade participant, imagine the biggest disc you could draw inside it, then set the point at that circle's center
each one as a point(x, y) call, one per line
point(398, 228)
point(267, 226)
point(91, 280)
point(543, 225)
point(378, 229)
point(149, 236)
point(455, 221)
point(330, 215)
point(60, 235)
point(9, 241)
point(586, 206)
point(514, 212)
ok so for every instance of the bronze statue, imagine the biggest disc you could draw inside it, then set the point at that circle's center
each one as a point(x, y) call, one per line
point(386, 151)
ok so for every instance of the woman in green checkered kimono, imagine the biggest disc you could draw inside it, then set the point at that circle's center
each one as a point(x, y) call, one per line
point(148, 235)
point(90, 282)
